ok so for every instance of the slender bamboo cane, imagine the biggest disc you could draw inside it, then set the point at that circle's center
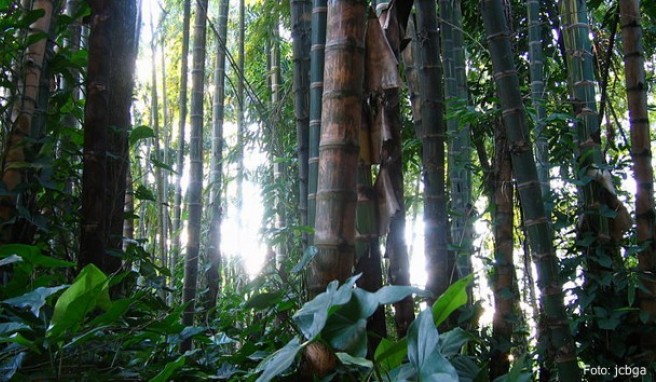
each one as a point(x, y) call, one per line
point(528, 185)
point(194, 196)
point(643, 173)
point(319, 10)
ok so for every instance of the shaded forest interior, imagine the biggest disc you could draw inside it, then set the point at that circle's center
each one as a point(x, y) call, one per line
point(305, 190)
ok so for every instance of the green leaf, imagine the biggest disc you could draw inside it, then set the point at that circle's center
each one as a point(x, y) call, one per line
point(139, 133)
point(348, 359)
point(308, 255)
point(12, 327)
point(452, 341)
point(144, 193)
point(19, 339)
point(278, 362)
point(35, 299)
point(32, 254)
point(116, 310)
point(346, 333)
point(423, 351)
point(422, 339)
point(312, 317)
point(389, 354)
point(452, 299)
point(516, 373)
point(263, 300)
point(10, 260)
point(88, 291)
point(169, 369)
point(160, 164)
point(31, 16)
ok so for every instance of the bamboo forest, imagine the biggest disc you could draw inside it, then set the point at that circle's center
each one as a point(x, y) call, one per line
point(327, 190)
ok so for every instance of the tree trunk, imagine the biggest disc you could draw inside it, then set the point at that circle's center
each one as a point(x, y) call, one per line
point(124, 44)
point(112, 53)
point(643, 173)
point(524, 169)
point(195, 191)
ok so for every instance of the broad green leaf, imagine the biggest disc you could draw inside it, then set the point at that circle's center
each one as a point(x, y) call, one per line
point(32, 254)
point(35, 299)
point(394, 293)
point(278, 362)
point(169, 369)
point(346, 333)
point(312, 317)
point(452, 341)
point(139, 133)
point(115, 311)
point(88, 291)
point(263, 300)
point(422, 339)
point(10, 260)
point(308, 255)
point(453, 298)
point(19, 339)
point(389, 354)
point(160, 164)
point(12, 327)
point(348, 359)
point(144, 193)
point(423, 351)
point(516, 373)
point(9, 367)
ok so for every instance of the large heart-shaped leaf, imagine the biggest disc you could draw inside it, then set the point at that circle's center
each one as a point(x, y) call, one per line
point(423, 351)
point(312, 317)
point(35, 299)
point(278, 362)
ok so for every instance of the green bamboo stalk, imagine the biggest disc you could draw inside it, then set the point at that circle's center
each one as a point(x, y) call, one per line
point(458, 135)
point(528, 185)
point(319, 10)
point(536, 66)
point(216, 164)
point(587, 127)
point(433, 157)
point(631, 26)
point(195, 190)
point(301, 15)
point(182, 121)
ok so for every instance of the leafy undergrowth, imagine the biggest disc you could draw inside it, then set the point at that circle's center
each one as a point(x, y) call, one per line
point(258, 332)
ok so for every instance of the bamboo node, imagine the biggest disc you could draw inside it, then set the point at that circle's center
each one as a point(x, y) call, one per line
point(532, 222)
